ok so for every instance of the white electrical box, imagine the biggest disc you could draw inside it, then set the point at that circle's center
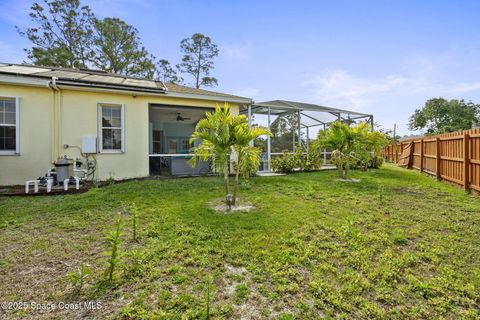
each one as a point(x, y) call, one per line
point(89, 144)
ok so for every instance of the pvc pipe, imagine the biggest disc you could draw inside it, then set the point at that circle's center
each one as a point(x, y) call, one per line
point(35, 185)
point(77, 183)
point(49, 185)
point(65, 184)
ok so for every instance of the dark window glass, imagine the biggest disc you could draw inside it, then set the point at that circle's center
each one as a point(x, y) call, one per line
point(111, 128)
point(112, 139)
point(7, 138)
point(7, 124)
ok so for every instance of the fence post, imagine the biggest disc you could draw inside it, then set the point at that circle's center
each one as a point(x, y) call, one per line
point(421, 155)
point(466, 161)
point(437, 158)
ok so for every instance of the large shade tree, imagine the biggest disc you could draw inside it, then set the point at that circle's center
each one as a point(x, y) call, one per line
point(118, 49)
point(62, 35)
point(440, 115)
point(198, 59)
point(221, 137)
point(166, 73)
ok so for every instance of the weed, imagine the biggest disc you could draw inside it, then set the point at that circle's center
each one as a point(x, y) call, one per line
point(381, 191)
point(398, 237)
point(113, 242)
point(241, 293)
point(79, 277)
point(134, 213)
point(208, 283)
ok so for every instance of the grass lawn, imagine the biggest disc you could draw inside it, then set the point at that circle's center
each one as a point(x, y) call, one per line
point(397, 245)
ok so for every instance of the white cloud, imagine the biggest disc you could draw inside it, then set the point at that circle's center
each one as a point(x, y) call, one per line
point(392, 97)
point(242, 51)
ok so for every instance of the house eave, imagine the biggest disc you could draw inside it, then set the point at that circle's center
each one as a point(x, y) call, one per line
point(238, 100)
point(74, 85)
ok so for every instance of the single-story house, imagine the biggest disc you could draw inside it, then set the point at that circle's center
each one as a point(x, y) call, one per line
point(120, 127)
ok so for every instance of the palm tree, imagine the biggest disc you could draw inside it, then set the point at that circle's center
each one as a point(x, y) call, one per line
point(216, 140)
point(222, 135)
point(247, 157)
point(340, 138)
point(350, 144)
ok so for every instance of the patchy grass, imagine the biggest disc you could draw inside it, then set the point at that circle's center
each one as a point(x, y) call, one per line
point(397, 245)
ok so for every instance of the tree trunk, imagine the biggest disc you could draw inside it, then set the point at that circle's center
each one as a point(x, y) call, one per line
point(225, 177)
point(235, 184)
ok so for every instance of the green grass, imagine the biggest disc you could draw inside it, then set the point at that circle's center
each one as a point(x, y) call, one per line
point(397, 245)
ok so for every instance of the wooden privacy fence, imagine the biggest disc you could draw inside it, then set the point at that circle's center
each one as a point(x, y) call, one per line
point(453, 156)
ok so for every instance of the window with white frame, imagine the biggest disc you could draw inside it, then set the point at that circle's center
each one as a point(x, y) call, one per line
point(111, 127)
point(9, 133)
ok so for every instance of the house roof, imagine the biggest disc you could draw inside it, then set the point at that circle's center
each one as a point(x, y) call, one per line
point(280, 106)
point(311, 115)
point(99, 78)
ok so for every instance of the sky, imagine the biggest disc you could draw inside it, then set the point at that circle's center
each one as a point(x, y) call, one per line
point(380, 57)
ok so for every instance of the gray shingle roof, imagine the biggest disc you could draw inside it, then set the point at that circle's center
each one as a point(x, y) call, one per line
point(86, 76)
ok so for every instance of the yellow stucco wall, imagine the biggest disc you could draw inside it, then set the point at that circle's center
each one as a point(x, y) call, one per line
point(78, 118)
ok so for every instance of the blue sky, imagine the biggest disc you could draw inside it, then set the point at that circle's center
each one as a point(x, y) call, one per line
point(380, 57)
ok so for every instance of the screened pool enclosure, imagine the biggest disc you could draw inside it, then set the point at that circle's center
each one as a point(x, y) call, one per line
point(293, 124)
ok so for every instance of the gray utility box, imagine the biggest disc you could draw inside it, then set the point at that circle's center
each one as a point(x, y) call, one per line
point(64, 170)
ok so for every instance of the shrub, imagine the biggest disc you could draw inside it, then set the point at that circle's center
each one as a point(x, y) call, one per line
point(376, 162)
point(285, 163)
point(301, 159)
point(308, 161)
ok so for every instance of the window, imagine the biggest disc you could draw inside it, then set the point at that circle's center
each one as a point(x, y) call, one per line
point(172, 145)
point(9, 133)
point(186, 145)
point(156, 141)
point(111, 129)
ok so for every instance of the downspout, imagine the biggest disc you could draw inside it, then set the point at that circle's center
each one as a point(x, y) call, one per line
point(55, 119)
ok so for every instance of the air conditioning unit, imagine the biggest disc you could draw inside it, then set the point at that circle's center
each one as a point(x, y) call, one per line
point(89, 144)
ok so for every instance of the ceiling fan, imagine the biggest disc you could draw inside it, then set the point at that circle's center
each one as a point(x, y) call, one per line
point(180, 118)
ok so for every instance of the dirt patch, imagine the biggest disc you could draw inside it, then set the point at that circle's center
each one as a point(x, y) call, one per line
point(408, 190)
point(348, 180)
point(219, 206)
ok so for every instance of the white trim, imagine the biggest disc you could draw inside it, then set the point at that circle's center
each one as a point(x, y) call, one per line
point(10, 79)
point(100, 127)
point(17, 125)
point(208, 97)
point(171, 155)
point(122, 123)
point(15, 152)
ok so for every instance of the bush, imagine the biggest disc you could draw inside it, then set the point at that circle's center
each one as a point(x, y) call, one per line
point(285, 163)
point(308, 161)
point(376, 162)
point(300, 159)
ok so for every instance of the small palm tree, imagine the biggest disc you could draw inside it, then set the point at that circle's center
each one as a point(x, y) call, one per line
point(340, 138)
point(350, 144)
point(247, 157)
point(222, 135)
point(216, 140)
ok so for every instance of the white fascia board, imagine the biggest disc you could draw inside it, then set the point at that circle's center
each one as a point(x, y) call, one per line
point(208, 97)
point(26, 81)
